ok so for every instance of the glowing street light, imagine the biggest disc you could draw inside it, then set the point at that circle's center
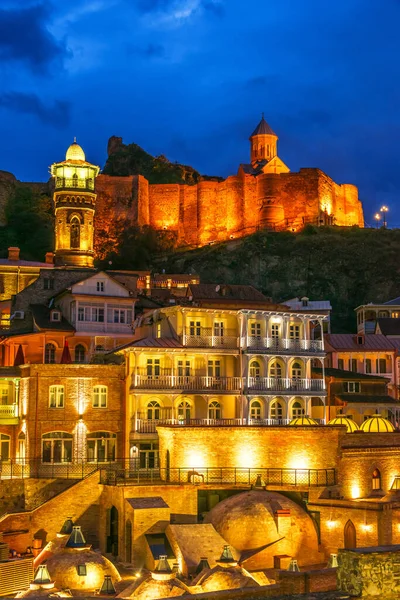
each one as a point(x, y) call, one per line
point(377, 218)
point(384, 209)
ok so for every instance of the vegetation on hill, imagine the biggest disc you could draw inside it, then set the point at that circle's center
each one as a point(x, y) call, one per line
point(131, 159)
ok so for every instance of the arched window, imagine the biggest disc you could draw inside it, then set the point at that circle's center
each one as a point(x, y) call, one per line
point(4, 446)
point(296, 370)
point(297, 410)
point(100, 396)
point(57, 447)
point(214, 410)
point(50, 354)
point(56, 396)
point(276, 410)
point(21, 447)
point(153, 410)
point(275, 369)
point(255, 410)
point(75, 180)
point(376, 480)
point(255, 369)
point(184, 411)
point(80, 353)
point(101, 446)
point(75, 227)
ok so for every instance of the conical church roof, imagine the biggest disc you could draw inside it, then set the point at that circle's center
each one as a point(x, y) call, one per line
point(263, 128)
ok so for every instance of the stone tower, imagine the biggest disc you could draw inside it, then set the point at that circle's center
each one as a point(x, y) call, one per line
point(74, 205)
point(263, 142)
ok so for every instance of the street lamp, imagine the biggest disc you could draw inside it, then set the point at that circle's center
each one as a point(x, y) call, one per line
point(384, 210)
point(377, 218)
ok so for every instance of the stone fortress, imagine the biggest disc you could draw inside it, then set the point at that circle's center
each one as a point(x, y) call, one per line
point(263, 194)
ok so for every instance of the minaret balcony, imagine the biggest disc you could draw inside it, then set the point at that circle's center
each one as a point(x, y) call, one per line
point(74, 183)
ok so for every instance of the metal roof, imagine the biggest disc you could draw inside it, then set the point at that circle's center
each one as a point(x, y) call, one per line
point(263, 128)
point(349, 341)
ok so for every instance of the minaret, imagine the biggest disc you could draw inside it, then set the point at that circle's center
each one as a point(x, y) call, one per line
point(263, 142)
point(74, 204)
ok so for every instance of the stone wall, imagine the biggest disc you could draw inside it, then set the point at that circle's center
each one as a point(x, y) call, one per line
point(370, 572)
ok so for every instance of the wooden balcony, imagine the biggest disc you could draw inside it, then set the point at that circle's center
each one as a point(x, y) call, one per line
point(285, 385)
point(204, 337)
point(192, 383)
point(282, 345)
point(9, 414)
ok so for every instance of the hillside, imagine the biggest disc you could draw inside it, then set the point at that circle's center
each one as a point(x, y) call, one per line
point(348, 266)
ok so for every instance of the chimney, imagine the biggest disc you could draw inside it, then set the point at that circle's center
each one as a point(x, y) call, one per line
point(13, 253)
point(49, 258)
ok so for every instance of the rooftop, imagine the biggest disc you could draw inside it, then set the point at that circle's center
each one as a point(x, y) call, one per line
point(350, 341)
point(263, 128)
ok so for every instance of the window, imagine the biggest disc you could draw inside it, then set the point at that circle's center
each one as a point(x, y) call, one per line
point(376, 480)
point(184, 411)
point(340, 363)
point(4, 447)
point(119, 314)
point(353, 365)
point(82, 571)
point(214, 410)
point(294, 332)
point(255, 410)
point(275, 369)
point(55, 315)
point(195, 328)
point(56, 396)
point(395, 315)
point(56, 447)
point(75, 233)
point(100, 396)
point(219, 328)
point(275, 331)
point(183, 368)
point(153, 410)
point(91, 313)
point(351, 387)
point(276, 410)
point(360, 340)
point(48, 284)
point(214, 368)
point(296, 370)
point(297, 410)
point(255, 369)
point(50, 354)
point(4, 396)
point(368, 365)
point(153, 367)
point(158, 330)
point(100, 286)
point(101, 446)
point(381, 365)
point(80, 353)
point(255, 329)
point(21, 447)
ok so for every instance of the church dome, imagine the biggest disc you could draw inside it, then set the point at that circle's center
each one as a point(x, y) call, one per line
point(249, 521)
point(377, 424)
point(303, 421)
point(75, 152)
point(63, 569)
point(348, 423)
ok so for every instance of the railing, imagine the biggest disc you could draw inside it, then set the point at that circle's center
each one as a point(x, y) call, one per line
point(277, 345)
point(192, 382)
point(126, 473)
point(102, 327)
point(8, 411)
point(284, 384)
point(150, 425)
point(24, 468)
point(204, 337)
point(62, 182)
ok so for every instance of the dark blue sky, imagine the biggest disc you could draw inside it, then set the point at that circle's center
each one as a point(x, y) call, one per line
point(189, 79)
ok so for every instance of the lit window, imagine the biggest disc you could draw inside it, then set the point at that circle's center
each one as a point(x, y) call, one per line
point(195, 328)
point(275, 331)
point(153, 367)
point(183, 368)
point(255, 329)
point(297, 410)
point(82, 572)
point(153, 410)
point(56, 396)
point(57, 447)
point(4, 396)
point(214, 368)
point(296, 370)
point(294, 332)
point(275, 369)
point(184, 411)
point(218, 329)
point(100, 396)
point(255, 410)
point(214, 410)
point(351, 387)
point(276, 411)
point(158, 330)
point(376, 480)
point(255, 369)
point(101, 446)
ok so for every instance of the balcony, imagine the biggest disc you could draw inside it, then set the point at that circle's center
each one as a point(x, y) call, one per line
point(186, 383)
point(9, 414)
point(203, 337)
point(282, 345)
point(64, 182)
point(286, 385)
point(150, 425)
point(100, 328)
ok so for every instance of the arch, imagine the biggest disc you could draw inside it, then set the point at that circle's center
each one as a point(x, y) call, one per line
point(153, 410)
point(256, 411)
point(376, 480)
point(50, 353)
point(184, 409)
point(75, 232)
point(112, 533)
point(21, 447)
point(296, 368)
point(276, 368)
point(128, 541)
point(297, 408)
point(80, 353)
point(214, 410)
point(277, 408)
point(255, 369)
point(350, 535)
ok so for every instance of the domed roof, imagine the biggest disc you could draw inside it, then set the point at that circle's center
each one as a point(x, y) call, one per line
point(303, 421)
point(348, 423)
point(377, 424)
point(247, 521)
point(263, 128)
point(226, 579)
point(63, 569)
point(150, 588)
point(75, 152)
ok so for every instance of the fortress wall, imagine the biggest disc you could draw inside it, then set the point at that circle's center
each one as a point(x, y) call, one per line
point(188, 232)
point(212, 207)
point(142, 201)
point(300, 196)
point(232, 187)
point(352, 205)
point(164, 206)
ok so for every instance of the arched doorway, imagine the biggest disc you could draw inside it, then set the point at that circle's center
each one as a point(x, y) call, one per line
point(112, 533)
point(350, 535)
point(128, 541)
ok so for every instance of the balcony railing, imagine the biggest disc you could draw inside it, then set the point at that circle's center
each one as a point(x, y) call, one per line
point(204, 337)
point(9, 414)
point(23, 468)
point(150, 425)
point(189, 383)
point(64, 182)
point(282, 345)
point(284, 384)
point(102, 327)
point(126, 473)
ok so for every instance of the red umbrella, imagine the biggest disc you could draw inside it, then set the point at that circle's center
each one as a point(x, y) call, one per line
point(65, 356)
point(19, 357)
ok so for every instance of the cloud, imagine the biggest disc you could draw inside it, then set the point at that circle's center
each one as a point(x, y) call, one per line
point(180, 9)
point(149, 51)
point(57, 114)
point(24, 37)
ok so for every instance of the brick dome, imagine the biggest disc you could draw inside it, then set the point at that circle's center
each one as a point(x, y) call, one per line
point(226, 579)
point(63, 569)
point(350, 425)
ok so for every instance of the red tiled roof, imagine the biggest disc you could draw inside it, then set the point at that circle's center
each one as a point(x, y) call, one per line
point(348, 342)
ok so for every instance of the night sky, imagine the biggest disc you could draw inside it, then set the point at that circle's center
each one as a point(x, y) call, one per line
point(190, 78)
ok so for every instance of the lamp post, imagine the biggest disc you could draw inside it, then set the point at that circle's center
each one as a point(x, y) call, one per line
point(384, 209)
point(377, 218)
